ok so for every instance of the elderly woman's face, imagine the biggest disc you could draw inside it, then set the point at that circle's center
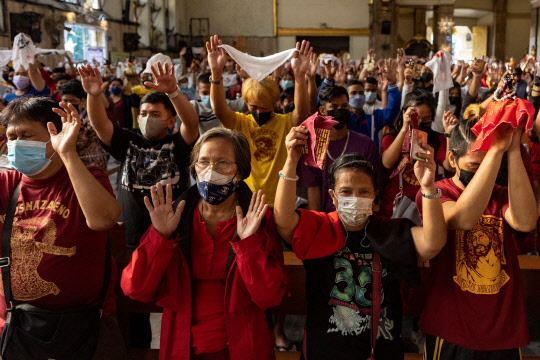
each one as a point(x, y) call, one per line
point(217, 154)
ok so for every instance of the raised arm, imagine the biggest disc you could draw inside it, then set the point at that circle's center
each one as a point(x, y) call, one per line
point(521, 214)
point(431, 237)
point(284, 212)
point(165, 82)
point(100, 208)
point(476, 81)
point(449, 122)
point(312, 85)
point(95, 87)
point(217, 58)
point(300, 64)
point(464, 213)
point(391, 156)
point(35, 77)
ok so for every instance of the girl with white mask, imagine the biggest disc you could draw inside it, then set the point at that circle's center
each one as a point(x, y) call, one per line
point(354, 259)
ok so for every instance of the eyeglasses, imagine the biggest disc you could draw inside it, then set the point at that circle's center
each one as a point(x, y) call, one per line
point(222, 167)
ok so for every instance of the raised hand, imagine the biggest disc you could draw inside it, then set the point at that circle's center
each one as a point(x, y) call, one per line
point(248, 225)
point(241, 72)
point(501, 138)
point(297, 136)
point(217, 56)
point(164, 79)
point(164, 219)
point(390, 70)
point(331, 69)
point(313, 64)
point(65, 141)
point(449, 121)
point(300, 59)
point(91, 80)
point(425, 170)
point(341, 75)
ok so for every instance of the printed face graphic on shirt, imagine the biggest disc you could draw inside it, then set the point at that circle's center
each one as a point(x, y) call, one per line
point(351, 296)
point(145, 168)
point(31, 239)
point(408, 174)
point(480, 257)
point(264, 141)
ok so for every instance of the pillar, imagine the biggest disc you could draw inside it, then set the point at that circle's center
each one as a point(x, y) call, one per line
point(383, 13)
point(442, 38)
point(499, 28)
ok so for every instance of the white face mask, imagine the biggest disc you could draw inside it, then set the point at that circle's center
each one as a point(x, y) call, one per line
point(370, 96)
point(353, 211)
point(151, 127)
point(214, 177)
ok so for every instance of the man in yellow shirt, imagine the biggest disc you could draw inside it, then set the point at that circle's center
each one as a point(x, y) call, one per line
point(264, 129)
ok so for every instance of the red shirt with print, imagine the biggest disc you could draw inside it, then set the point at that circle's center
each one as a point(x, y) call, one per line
point(475, 294)
point(57, 260)
point(410, 184)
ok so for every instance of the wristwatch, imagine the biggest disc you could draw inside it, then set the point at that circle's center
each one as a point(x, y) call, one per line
point(434, 196)
point(215, 82)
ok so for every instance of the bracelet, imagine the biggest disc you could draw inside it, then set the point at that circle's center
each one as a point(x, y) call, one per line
point(436, 196)
point(174, 94)
point(287, 178)
point(447, 135)
point(215, 82)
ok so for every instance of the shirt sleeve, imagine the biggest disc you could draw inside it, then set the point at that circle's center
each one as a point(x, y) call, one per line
point(316, 236)
point(387, 115)
point(102, 177)
point(120, 142)
point(386, 142)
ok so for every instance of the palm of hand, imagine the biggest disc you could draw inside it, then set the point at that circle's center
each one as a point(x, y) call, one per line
point(66, 140)
point(248, 225)
point(92, 84)
point(164, 219)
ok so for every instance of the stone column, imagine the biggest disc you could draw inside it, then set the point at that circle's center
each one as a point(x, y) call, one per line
point(420, 21)
point(442, 38)
point(499, 28)
point(379, 12)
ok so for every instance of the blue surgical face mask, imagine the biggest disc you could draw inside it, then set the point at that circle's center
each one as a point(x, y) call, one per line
point(370, 96)
point(215, 188)
point(285, 84)
point(206, 100)
point(28, 157)
point(357, 101)
point(115, 90)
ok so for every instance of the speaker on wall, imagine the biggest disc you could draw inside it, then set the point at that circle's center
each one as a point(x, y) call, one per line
point(386, 27)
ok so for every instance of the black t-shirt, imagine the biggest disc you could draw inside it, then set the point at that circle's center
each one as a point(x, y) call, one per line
point(144, 164)
point(339, 293)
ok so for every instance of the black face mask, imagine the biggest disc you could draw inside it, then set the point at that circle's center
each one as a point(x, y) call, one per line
point(262, 117)
point(465, 176)
point(454, 100)
point(288, 108)
point(424, 126)
point(342, 116)
point(429, 88)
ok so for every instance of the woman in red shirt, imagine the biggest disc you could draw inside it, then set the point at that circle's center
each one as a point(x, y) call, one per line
point(214, 271)
point(341, 252)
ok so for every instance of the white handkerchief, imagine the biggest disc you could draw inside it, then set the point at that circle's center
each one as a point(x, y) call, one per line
point(329, 58)
point(259, 67)
point(442, 73)
point(23, 52)
point(163, 59)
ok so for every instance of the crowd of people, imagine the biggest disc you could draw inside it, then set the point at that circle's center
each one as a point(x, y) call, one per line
point(379, 174)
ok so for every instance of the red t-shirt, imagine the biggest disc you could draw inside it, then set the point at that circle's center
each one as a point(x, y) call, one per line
point(57, 260)
point(475, 294)
point(209, 260)
point(115, 112)
point(410, 184)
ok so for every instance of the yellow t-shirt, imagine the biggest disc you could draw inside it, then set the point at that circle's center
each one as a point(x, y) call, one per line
point(268, 151)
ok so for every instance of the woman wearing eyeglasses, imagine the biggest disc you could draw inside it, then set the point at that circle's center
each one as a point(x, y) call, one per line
point(213, 269)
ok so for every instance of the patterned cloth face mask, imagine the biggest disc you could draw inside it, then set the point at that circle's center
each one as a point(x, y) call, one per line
point(354, 211)
point(215, 188)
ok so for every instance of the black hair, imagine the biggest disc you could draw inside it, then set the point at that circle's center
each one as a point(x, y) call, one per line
point(415, 98)
point(371, 80)
point(330, 93)
point(155, 97)
point(518, 72)
point(116, 79)
point(462, 138)
point(352, 161)
point(73, 87)
point(354, 82)
point(287, 94)
point(33, 108)
point(59, 69)
point(204, 78)
point(242, 152)
point(4, 102)
point(62, 76)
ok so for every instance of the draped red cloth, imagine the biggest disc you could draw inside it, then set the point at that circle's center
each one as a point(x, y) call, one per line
point(516, 113)
point(319, 127)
